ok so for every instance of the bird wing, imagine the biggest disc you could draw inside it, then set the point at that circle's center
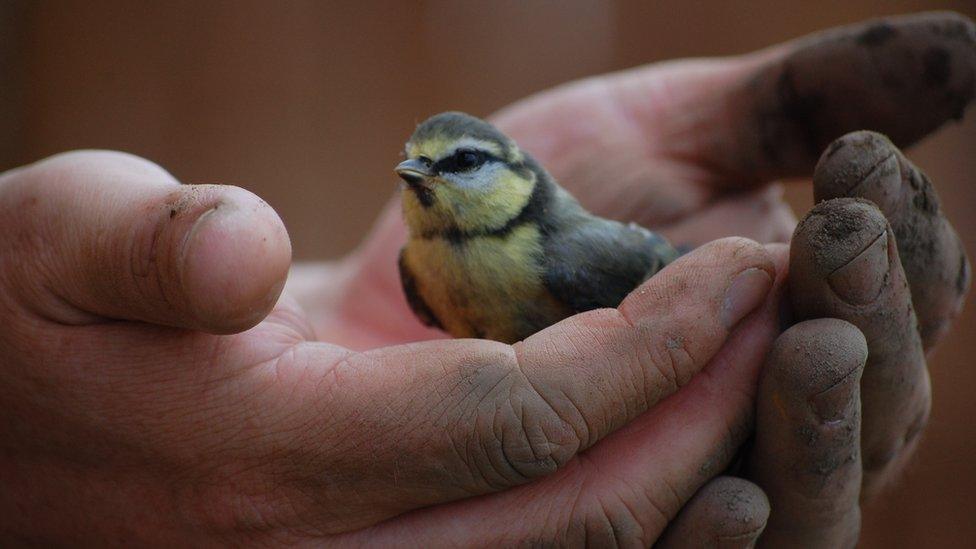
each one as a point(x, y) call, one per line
point(596, 263)
point(416, 301)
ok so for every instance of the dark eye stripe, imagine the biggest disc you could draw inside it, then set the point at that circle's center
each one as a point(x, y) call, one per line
point(458, 163)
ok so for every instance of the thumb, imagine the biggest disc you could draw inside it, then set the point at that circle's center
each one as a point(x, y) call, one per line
point(107, 235)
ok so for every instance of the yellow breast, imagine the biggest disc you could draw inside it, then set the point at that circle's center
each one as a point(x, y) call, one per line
point(485, 286)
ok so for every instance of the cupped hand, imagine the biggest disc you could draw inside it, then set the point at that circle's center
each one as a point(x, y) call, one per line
point(129, 419)
point(692, 149)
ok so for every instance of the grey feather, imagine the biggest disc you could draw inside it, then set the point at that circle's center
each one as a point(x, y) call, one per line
point(596, 262)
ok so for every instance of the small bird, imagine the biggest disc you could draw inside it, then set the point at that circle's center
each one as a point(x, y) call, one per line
point(497, 249)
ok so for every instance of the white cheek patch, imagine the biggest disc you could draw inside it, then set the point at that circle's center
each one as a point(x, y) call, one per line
point(482, 179)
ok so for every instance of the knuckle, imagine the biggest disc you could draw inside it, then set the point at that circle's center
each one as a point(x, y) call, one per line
point(39, 197)
point(518, 434)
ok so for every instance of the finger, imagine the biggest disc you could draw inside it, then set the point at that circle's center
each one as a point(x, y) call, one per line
point(727, 512)
point(106, 235)
point(867, 165)
point(806, 454)
point(714, 124)
point(872, 75)
point(844, 264)
point(761, 215)
point(625, 490)
point(465, 417)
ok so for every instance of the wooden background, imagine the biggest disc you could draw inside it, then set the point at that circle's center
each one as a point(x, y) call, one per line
point(308, 105)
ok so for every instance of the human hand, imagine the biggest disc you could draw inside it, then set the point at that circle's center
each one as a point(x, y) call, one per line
point(828, 437)
point(848, 262)
point(688, 148)
point(128, 420)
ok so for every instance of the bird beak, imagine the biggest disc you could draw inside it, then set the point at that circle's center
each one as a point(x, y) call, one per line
point(413, 171)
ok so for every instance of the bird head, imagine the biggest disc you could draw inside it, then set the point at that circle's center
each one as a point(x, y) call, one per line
point(462, 174)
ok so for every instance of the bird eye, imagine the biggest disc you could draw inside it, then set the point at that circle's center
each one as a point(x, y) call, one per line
point(467, 159)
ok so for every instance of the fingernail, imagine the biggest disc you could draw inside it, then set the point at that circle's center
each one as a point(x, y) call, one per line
point(881, 185)
point(832, 403)
point(189, 262)
point(860, 164)
point(746, 292)
point(860, 280)
point(197, 224)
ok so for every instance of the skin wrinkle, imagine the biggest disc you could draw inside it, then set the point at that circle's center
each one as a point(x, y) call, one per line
point(574, 426)
point(550, 437)
point(670, 509)
point(143, 412)
point(598, 527)
point(551, 411)
point(525, 429)
point(661, 361)
point(324, 410)
point(634, 515)
point(587, 442)
point(593, 469)
point(608, 416)
point(445, 397)
point(638, 388)
point(498, 433)
point(464, 457)
point(37, 292)
point(289, 356)
point(626, 528)
point(448, 398)
point(582, 489)
point(605, 366)
point(288, 318)
point(680, 355)
point(519, 477)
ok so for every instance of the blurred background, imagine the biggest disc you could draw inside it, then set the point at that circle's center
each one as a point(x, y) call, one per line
point(308, 104)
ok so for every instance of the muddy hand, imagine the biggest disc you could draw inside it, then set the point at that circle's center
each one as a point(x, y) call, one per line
point(842, 402)
point(848, 262)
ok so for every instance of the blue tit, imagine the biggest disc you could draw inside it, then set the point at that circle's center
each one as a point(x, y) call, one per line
point(496, 248)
